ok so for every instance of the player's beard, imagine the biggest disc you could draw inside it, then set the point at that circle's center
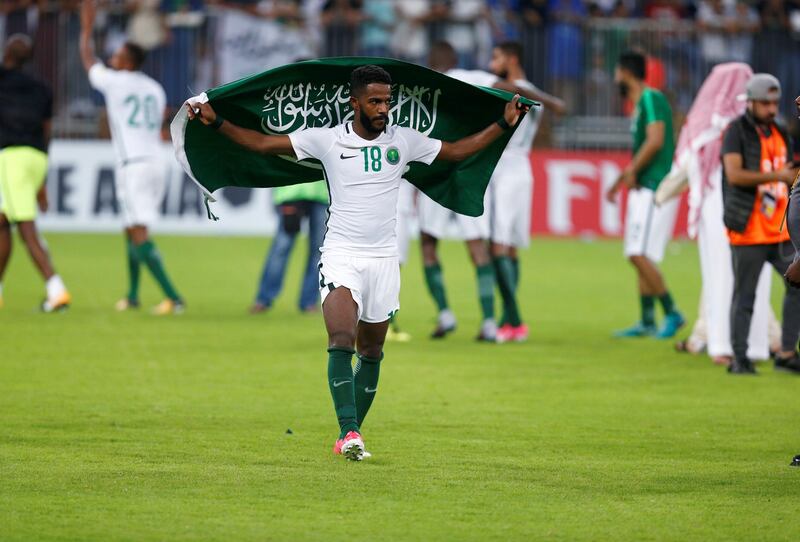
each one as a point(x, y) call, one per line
point(366, 122)
point(623, 88)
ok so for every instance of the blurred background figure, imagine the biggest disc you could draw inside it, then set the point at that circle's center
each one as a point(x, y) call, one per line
point(757, 170)
point(26, 110)
point(721, 100)
point(294, 204)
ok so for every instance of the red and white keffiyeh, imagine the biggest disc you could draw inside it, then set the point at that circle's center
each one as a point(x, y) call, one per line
point(720, 100)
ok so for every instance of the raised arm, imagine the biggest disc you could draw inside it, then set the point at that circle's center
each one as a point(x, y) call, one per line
point(535, 94)
point(88, 11)
point(466, 147)
point(249, 139)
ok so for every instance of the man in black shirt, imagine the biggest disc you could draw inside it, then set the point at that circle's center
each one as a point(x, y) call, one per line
point(25, 111)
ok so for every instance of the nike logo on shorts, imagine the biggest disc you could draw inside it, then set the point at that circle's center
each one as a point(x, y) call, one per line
point(337, 384)
point(343, 157)
point(373, 390)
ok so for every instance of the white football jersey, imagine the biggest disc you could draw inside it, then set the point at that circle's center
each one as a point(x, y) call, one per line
point(473, 77)
point(522, 140)
point(135, 103)
point(363, 179)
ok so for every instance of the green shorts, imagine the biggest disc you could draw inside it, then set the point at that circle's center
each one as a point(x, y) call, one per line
point(22, 172)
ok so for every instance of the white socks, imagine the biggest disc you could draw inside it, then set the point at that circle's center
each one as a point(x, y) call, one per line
point(55, 287)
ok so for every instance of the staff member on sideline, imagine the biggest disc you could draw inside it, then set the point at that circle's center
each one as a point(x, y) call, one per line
point(757, 172)
point(293, 203)
point(26, 107)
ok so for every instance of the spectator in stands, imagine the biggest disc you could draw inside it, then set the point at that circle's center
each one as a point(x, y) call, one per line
point(147, 27)
point(565, 47)
point(340, 20)
point(504, 19)
point(376, 31)
point(467, 30)
point(410, 37)
point(184, 20)
point(534, 14)
point(720, 25)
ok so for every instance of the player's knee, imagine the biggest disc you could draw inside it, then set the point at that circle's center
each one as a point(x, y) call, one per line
point(342, 339)
point(373, 351)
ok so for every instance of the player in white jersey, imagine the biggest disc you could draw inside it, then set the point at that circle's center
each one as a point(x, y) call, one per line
point(363, 161)
point(434, 220)
point(511, 191)
point(136, 105)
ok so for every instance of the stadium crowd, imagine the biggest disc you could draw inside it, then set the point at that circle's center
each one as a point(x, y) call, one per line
point(570, 44)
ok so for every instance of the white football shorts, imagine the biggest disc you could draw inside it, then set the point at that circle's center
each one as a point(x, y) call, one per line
point(373, 282)
point(648, 227)
point(511, 191)
point(435, 220)
point(141, 186)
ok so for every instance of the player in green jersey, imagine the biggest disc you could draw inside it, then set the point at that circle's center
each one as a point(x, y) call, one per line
point(648, 228)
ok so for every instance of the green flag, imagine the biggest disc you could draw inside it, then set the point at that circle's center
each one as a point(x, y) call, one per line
point(316, 93)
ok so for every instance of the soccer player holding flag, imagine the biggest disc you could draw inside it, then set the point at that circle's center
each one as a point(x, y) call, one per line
point(363, 161)
point(135, 103)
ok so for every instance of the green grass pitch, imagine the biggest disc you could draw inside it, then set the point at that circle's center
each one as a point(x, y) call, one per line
point(128, 427)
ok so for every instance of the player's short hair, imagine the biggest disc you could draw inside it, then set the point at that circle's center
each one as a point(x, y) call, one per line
point(634, 62)
point(135, 54)
point(511, 48)
point(366, 75)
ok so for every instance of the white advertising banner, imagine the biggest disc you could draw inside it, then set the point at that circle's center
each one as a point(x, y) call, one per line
point(83, 197)
point(247, 44)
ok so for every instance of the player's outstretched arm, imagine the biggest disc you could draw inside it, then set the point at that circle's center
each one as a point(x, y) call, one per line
point(537, 95)
point(88, 11)
point(249, 139)
point(466, 147)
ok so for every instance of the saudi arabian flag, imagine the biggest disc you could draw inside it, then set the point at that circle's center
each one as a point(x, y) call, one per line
point(316, 93)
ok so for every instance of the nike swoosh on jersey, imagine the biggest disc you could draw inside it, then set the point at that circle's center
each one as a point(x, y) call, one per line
point(337, 384)
point(343, 157)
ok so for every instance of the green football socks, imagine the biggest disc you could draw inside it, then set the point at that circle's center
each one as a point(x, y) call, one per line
point(486, 290)
point(648, 309)
point(667, 303)
point(365, 375)
point(133, 272)
point(435, 283)
point(504, 268)
point(148, 254)
point(340, 381)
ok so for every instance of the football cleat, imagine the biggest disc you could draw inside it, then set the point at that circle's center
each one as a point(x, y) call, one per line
point(445, 324)
point(638, 329)
point(57, 304)
point(351, 447)
point(488, 331)
point(126, 304)
point(397, 336)
point(169, 306)
point(672, 323)
point(509, 333)
point(337, 449)
point(521, 333)
point(795, 462)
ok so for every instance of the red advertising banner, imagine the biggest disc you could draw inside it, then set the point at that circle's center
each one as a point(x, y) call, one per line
point(569, 194)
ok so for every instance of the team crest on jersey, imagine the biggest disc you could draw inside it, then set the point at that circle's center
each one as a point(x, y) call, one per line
point(297, 106)
point(392, 155)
